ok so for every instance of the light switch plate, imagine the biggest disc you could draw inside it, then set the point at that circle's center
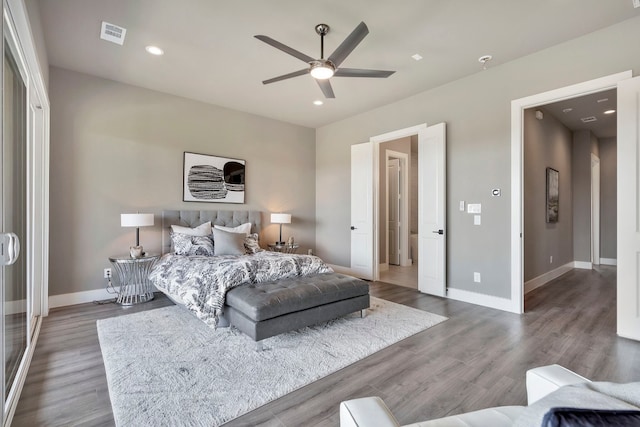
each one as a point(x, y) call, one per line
point(461, 205)
point(474, 208)
point(476, 277)
point(476, 220)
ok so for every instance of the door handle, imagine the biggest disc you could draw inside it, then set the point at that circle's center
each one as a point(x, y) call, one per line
point(9, 248)
point(353, 228)
point(438, 232)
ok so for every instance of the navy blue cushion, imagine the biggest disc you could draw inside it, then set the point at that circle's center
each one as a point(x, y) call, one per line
point(574, 417)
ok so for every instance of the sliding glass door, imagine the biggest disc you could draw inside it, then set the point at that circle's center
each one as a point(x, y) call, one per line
point(13, 214)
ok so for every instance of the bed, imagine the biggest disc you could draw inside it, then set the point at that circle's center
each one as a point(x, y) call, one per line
point(269, 292)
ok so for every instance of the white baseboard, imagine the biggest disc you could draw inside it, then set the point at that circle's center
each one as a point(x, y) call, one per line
point(545, 278)
point(583, 265)
point(490, 301)
point(383, 267)
point(74, 298)
point(608, 261)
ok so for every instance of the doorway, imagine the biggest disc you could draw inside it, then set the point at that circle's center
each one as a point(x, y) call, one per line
point(567, 137)
point(365, 206)
point(518, 108)
point(398, 212)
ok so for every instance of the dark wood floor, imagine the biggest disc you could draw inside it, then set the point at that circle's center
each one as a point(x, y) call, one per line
point(474, 360)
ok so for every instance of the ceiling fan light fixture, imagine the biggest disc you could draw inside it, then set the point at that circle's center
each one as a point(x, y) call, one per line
point(322, 70)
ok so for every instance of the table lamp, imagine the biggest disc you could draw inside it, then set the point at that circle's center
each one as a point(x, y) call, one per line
point(136, 220)
point(280, 218)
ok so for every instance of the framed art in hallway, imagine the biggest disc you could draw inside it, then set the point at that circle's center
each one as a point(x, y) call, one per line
point(213, 179)
point(553, 195)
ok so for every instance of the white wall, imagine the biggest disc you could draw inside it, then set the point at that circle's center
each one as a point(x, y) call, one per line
point(477, 112)
point(117, 148)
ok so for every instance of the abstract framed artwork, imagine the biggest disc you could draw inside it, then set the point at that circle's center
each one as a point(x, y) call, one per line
point(553, 195)
point(213, 179)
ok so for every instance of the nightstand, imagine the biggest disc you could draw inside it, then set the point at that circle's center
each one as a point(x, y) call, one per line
point(284, 248)
point(132, 275)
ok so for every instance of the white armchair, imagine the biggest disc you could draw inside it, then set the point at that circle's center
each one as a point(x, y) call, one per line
point(372, 411)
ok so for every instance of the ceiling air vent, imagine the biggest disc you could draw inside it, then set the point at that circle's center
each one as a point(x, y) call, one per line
point(588, 119)
point(112, 33)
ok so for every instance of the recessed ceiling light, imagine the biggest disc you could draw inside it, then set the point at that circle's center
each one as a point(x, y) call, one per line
point(602, 100)
point(317, 102)
point(154, 50)
point(610, 111)
point(484, 59)
point(417, 57)
point(567, 110)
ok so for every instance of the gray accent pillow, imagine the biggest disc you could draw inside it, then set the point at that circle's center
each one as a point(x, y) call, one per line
point(184, 244)
point(227, 243)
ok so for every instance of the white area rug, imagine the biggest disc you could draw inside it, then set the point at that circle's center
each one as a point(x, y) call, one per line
point(167, 368)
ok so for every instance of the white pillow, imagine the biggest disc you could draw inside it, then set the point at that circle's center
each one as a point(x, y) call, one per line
point(201, 230)
point(244, 228)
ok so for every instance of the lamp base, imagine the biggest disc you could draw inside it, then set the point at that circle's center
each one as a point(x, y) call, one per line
point(136, 251)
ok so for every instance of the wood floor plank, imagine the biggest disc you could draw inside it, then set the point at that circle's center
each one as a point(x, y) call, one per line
point(476, 359)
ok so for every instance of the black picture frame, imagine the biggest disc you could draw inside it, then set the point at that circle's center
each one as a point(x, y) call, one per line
point(212, 179)
point(553, 195)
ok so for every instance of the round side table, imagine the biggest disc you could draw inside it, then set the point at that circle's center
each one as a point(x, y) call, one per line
point(285, 248)
point(132, 274)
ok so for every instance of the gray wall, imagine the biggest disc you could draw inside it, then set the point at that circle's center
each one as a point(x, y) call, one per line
point(584, 143)
point(413, 187)
point(33, 11)
point(608, 197)
point(547, 143)
point(477, 112)
point(402, 145)
point(117, 149)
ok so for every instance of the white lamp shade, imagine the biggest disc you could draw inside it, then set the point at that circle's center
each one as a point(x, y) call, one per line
point(280, 218)
point(136, 220)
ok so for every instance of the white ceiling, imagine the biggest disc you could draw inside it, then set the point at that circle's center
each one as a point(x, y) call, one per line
point(212, 56)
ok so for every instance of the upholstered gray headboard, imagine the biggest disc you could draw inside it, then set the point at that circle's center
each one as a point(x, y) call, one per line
point(195, 218)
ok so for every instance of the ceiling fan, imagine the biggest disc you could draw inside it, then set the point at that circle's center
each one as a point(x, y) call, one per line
point(323, 69)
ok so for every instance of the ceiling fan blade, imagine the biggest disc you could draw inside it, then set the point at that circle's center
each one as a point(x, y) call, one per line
point(326, 88)
point(356, 72)
point(283, 47)
point(350, 43)
point(286, 76)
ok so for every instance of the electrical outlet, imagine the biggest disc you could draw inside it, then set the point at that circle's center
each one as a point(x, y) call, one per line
point(476, 277)
point(107, 273)
point(551, 259)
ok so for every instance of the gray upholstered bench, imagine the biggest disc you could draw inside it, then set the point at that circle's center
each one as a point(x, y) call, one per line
point(263, 310)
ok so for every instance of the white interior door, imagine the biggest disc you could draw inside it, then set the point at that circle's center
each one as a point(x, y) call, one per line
point(393, 195)
point(432, 209)
point(362, 253)
point(628, 251)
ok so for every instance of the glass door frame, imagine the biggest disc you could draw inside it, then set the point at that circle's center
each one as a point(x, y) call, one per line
point(16, 31)
point(10, 41)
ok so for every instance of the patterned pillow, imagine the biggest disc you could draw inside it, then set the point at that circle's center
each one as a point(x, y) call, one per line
point(251, 244)
point(183, 244)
